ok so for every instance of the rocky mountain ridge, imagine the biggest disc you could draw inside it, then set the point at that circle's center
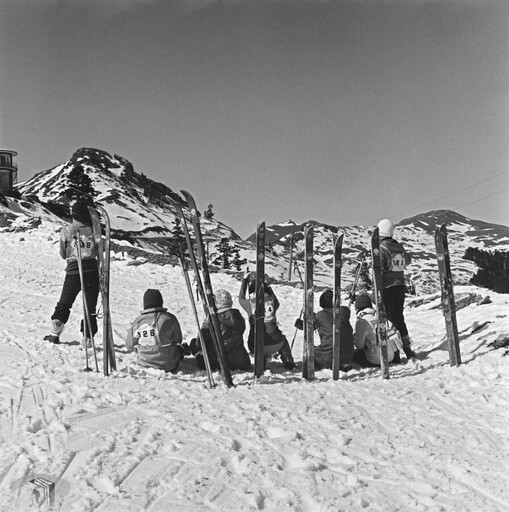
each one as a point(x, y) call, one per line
point(142, 221)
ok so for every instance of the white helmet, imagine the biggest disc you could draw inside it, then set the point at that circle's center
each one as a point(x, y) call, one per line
point(386, 228)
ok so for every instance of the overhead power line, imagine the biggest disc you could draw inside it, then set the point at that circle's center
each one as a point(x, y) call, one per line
point(458, 192)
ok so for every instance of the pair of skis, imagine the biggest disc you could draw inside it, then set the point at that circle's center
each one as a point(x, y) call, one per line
point(448, 303)
point(103, 263)
point(308, 359)
point(204, 287)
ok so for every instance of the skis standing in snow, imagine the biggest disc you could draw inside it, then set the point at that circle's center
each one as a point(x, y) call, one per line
point(308, 355)
point(381, 329)
point(103, 261)
point(448, 303)
point(209, 295)
point(194, 264)
point(336, 302)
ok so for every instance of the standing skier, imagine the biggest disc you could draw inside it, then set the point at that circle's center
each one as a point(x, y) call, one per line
point(82, 224)
point(323, 324)
point(394, 260)
point(155, 334)
point(232, 325)
point(274, 340)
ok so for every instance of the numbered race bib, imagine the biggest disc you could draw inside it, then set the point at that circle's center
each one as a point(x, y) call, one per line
point(397, 263)
point(147, 335)
point(87, 245)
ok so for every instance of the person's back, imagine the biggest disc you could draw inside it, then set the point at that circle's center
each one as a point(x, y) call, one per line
point(274, 340)
point(156, 335)
point(232, 326)
point(394, 260)
point(365, 338)
point(323, 323)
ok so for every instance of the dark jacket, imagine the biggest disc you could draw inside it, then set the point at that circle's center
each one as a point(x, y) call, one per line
point(394, 260)
point(323, 324)
point(232, 325)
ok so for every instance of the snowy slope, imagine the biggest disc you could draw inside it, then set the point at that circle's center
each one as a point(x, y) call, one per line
point(432, 438)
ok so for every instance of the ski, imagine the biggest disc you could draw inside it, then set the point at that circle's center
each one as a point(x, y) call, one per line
point(308, 353)
point(199, 284)
point(103, 264)
point(381, 330)
point(107, 326)
point(207, 287)
point(336, 318)
point(87, 324)
point(259, 313)
point(448, 303)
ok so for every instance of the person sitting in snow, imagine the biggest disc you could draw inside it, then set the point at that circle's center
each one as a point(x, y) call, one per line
point(81, 223)
point(274, 340)
point(365, 339)
point(394, 260)
point(155, 335)
point(323, 324)
point(232, 325)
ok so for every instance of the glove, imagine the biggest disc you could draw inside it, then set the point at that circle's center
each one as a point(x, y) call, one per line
point(186, 349)
point(299, 324)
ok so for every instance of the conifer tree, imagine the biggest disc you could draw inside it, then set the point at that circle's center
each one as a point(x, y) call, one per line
point(209, 213)
point(177, 242)
point(225, 251)
point(79, 181)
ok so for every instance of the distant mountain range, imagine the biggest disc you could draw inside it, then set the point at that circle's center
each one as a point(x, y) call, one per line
point(142, 222)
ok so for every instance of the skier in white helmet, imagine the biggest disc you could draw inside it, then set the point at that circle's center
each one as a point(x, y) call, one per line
point(394, 260)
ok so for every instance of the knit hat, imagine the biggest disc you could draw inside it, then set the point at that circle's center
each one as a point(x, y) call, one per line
point(152, 299)
point(363, 302)
point(326, 299)
point(223, 299)
point(79, 212)
point(386, 228)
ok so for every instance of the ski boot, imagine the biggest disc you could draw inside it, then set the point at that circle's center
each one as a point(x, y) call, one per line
point(406, 347)
point(54, 337)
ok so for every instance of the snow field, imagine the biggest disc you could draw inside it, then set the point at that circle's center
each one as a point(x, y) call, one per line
point(432, 438)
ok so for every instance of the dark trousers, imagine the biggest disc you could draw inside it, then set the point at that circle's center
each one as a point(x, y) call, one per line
point(70, 290)
point(394, 302)
point(274, 339)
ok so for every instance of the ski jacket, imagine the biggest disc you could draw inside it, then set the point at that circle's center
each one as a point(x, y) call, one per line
point(156, 336)
point(323, 324)
point(394, 260)
point(232, 325)
point(68, 251)
point(365, 336)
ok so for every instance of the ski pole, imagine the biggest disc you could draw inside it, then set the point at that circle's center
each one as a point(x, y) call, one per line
point(87, 324)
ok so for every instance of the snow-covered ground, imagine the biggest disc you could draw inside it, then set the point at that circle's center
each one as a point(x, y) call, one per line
point(432, 438)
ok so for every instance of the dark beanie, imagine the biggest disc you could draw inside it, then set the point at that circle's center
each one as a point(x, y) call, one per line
point(152, 299)
point(363, 302)
point(326, 299)
point(80, 212)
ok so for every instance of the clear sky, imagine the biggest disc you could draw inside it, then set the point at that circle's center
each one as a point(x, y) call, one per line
point(341, 111)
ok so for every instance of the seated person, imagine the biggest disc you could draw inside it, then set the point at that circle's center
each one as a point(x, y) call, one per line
point(155, 335)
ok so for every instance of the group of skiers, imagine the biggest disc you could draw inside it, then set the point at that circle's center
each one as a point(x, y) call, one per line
point(156, 335)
